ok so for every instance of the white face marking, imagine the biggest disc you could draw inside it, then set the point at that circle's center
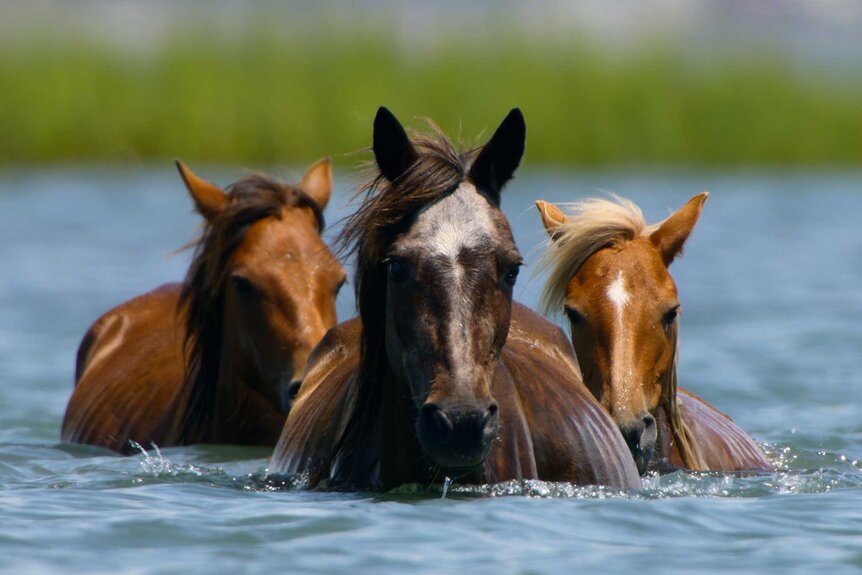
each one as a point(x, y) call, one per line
point(618, 295)
point(462, 220)
point(622, 347)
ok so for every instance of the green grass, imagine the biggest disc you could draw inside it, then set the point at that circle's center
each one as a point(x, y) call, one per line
point(266, 99)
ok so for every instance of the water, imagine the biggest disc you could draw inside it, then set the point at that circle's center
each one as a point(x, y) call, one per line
point(771, 333)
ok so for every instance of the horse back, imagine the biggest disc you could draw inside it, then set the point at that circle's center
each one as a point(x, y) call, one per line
point(724, 445)
point(129, 368)
point(573, 438)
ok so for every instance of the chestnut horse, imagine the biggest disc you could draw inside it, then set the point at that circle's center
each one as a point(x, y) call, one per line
point(216, 359)
point(441, 374)
point(609, 273)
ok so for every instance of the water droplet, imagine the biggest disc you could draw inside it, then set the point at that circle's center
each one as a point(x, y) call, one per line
point(447, 481)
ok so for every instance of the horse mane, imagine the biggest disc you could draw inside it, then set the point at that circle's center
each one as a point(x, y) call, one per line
point(249, 200)
point(591, 225)
point(387, 209)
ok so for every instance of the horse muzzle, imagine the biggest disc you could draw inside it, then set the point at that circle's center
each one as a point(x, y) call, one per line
point(641, 437)
point(457, 438)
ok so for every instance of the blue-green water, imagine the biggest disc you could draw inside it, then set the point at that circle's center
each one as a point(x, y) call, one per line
point(771, 333)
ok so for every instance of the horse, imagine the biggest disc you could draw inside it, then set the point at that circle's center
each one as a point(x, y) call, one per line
point(608, 271)
point(217, 358)
point(442, 374)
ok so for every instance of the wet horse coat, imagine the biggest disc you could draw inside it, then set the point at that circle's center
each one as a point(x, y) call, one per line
point(442, 373)
point(214, 360)
point(609, 275)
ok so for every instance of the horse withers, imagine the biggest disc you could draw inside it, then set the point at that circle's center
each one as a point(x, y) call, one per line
point(441, 374)
point(217, 358)
point(609, 274)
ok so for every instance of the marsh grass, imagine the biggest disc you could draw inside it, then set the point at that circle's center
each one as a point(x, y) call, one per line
point(269, 98)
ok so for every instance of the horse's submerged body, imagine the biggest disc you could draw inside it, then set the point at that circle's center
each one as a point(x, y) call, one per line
point(442, 374)
point(608, 273)
point(215, 359)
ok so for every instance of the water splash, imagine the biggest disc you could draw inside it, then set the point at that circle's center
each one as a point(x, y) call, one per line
point(447, 481)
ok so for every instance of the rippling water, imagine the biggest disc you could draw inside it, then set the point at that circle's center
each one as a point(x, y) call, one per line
point(771, 333)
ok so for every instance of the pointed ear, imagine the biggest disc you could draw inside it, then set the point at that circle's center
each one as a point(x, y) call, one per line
point(552, 216)
point(209, 198)
point(671, 235)
point(499, 158)
point(317, 182)
point(392, 148)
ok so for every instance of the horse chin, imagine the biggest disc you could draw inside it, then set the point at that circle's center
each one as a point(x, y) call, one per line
point(457, 452)
point(455, 463)
point(642, 458)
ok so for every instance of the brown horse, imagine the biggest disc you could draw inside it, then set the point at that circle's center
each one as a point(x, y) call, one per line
point(441, 374)
point(609, 273)
point(216, 359)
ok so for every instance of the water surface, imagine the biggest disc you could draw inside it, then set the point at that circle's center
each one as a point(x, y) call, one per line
point(771, 333)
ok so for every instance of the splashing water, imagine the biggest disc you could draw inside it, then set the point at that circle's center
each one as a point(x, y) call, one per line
point(447, 481)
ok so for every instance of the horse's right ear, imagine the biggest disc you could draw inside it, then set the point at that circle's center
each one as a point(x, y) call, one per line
point(209, 198)
point(553, 217)
point(392, 148)
point(317, 182)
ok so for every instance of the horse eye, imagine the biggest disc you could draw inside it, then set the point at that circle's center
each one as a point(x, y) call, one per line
point(574, 315)
point(512, 275)
point(242, 285)
point(397, 270)
point(671, 315)
point(340, 285)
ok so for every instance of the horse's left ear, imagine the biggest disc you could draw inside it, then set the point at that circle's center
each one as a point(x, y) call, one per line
point(317, 182)
point(209, 198)
point(392, 148)
point(500, 157)
point(674, 231)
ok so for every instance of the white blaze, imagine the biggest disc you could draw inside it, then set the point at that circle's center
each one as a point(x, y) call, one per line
point(618, 295)
point(459, 221)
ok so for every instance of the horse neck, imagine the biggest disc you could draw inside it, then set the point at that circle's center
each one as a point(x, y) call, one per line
point(379, 447)
point(241, 413)
point(680, 436)
point(217, 404)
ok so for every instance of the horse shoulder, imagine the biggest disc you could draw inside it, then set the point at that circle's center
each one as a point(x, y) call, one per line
point(130, 366)
point(321, 409)
point(725, 446)
point(573, 438)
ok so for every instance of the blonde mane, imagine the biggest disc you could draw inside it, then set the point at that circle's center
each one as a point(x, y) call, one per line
point(590, 225)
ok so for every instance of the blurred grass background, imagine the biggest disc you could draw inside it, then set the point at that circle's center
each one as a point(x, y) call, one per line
point(267, 95)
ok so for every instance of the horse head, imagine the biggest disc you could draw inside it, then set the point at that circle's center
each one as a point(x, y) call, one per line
point(609, 274)
point(261, 289)
point(436, 268)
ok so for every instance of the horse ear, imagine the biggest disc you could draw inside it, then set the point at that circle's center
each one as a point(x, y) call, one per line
point(500, 157)
point(553, 217)
point(209, 198)
point(672, 233)
point(392, 148)
point(317, 182)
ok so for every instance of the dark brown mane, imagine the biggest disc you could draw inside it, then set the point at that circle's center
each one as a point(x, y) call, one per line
point(250, 200)
point(388, 209)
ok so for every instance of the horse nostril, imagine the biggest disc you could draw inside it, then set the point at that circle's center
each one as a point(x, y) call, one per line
point(493, 409)
point(438, 420)
point(649, 421)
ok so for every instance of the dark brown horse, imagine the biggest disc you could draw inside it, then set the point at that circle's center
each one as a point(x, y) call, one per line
point(442, 373)
point(216, 359)
point(609, 273)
